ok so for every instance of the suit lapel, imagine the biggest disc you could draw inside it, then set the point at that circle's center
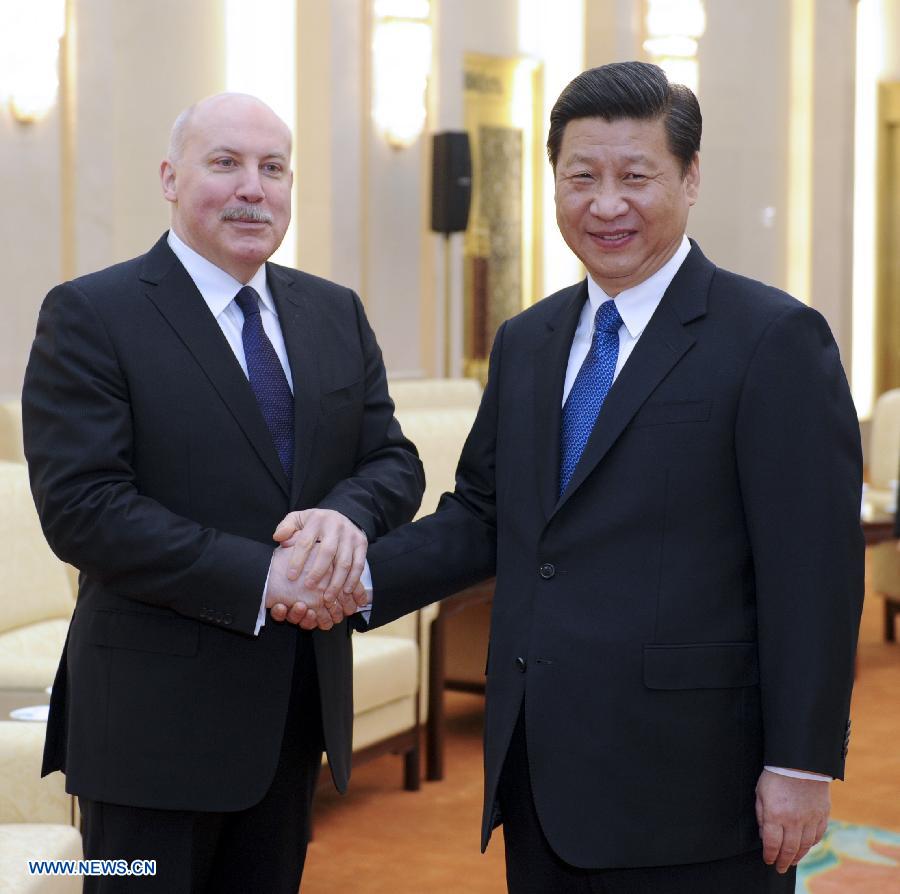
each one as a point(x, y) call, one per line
point(662, 344)
point(173, 292)
point(549, 370)
point(299, 326)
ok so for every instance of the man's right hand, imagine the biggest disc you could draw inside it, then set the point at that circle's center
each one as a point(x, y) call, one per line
point(307, 618)
point(308, 608)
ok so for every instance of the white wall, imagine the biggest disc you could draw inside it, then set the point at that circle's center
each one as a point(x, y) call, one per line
point(744, 67)
point(30, 233)
point(136, 65)
point(746, 78)
point(86, 194)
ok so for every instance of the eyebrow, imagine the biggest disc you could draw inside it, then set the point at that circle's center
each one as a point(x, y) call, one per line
point(634, 157)
point(232, 151)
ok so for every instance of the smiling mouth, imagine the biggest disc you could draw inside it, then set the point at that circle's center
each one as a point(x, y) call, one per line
point(612, 240)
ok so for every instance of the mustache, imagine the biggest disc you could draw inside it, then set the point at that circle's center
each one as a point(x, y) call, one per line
point(250, 213)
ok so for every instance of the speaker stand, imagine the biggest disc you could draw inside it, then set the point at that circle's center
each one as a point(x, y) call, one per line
point(448, 311)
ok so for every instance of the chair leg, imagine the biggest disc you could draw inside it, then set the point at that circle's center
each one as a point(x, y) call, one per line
point(434, 729)
point(891, 609)
point(412, 761)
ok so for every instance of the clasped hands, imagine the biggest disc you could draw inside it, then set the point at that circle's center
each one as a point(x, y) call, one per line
point(315, 570)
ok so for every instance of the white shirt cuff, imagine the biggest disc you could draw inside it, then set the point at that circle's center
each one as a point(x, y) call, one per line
point(261, 617)
point(800, 774)
point(366, 580)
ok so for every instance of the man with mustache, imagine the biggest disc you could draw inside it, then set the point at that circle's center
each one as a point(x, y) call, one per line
point(175, 407)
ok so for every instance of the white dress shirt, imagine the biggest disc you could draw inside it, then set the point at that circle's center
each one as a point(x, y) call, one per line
point(635, 306)
point(218, 289)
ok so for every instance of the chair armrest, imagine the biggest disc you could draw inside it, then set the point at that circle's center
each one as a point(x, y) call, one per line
point(24, 796)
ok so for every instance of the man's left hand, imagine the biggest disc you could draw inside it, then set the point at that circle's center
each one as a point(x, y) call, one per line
point(342, 550)
point(792, 816)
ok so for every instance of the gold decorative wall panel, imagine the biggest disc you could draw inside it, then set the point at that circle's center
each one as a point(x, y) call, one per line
point(502, 243)
point(887, 258)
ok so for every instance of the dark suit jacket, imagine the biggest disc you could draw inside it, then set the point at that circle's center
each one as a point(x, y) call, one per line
point(154, 473)
point(687, 611)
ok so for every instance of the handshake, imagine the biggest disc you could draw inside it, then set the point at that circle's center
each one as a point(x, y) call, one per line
point(314, 578)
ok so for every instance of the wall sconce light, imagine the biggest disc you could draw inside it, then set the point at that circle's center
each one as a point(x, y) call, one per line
point(29, 56)
point(401, 63)
point(673, 29)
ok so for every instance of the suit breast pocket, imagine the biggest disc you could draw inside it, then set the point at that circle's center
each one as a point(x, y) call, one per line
point(336, 399)
point(672, 412)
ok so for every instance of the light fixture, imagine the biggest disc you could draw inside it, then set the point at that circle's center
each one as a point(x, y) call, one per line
point(29, 56)
point(401, 63)
point(673, 29)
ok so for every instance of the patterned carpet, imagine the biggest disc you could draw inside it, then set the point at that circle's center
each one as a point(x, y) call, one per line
point(852, 860)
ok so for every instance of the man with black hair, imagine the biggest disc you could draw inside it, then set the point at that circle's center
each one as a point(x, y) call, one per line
point(664, 475)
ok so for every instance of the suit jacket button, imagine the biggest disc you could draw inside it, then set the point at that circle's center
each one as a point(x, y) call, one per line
point(227, 619)
point(546, 571)
point(521, 664)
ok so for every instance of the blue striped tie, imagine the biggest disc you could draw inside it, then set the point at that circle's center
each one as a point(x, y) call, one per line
point(589, 390)
point(267, 379)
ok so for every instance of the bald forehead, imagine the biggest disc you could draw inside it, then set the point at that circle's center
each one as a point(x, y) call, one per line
point(230, 105)
point(222, 112)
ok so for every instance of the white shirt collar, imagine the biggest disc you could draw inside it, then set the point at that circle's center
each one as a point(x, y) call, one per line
point(637, 304)
point(217, 287)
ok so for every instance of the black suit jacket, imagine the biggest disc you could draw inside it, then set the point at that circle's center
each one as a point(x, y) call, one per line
point(154, 473)
point(687, 611)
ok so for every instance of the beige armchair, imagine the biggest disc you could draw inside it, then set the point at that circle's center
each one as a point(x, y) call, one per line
point(37, 818)
point(390, 691)
point(437, 415)
point(884, 449)
point(883, 460)
point(392, 694)
point(11, 448)
point(35, 595)
point(439, 433)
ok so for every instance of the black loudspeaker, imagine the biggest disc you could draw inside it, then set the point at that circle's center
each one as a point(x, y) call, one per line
point(451, 181)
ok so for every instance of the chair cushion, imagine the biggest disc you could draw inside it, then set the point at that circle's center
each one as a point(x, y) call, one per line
point(385, 668)
point(884, 569)
point(11, 447)
point(24, 796)
point(20, 843)
point(884, 444)
point(439, 436)
point(29, 655)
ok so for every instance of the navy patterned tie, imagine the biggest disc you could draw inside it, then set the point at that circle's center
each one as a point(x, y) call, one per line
point(589, 390)
point(267, 379)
